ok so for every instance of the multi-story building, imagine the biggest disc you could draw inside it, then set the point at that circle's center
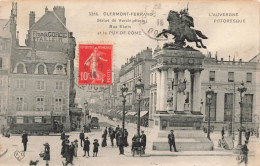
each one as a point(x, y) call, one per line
point(224, 77)
point(5, 53)
point(136, 68)
point(41, 83)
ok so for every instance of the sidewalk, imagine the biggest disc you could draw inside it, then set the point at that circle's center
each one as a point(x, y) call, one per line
point(4, 142)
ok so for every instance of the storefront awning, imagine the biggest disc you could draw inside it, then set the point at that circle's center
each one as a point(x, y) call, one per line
point(109, 111)
point(132, 113)
point(143, 113)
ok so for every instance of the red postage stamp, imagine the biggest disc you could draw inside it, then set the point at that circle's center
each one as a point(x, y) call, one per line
point(95, 64)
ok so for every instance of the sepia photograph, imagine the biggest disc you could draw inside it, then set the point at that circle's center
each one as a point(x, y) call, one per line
point(129, 83)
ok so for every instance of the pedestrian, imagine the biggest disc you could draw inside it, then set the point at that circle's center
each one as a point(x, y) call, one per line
point(125, 138)
point(95, 147)
point(245, 152)
point(222, 132)
point(171, 141)
point(135, 143)
point(3, 130)
point(65, 146)
point(117, 137)
point(75, 144)
point(104, 140)
point(143, 141)
point(47, 153)
point(112, 136)
point(89, 127)
point(109, 130)
point(24, 140)
point(247, 135)
point(69, 157)
point(117, 128)
point(121, 143)
point(81, 137)
point(62, 135)
point(86, 146)
point(105, 131)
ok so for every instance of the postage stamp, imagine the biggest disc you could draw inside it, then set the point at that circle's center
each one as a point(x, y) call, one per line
point(95, 64)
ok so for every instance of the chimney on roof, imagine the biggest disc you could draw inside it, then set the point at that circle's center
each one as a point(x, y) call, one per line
point(221, 60)
point(209, 54)
point(229, 58)
point(31, 18)
point(17, 38)
point(216, 55)
point(60, 12)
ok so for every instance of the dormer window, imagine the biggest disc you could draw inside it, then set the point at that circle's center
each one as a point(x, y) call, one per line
point(41, 69)
point(59, 69)
point(20, 68)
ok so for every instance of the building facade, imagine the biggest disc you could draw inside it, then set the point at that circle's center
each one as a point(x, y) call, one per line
point(41, 83)
point(5, 54)
point(224, 77)
point(136, 68)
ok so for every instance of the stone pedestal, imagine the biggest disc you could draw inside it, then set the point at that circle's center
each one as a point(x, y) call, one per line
point(186, 124)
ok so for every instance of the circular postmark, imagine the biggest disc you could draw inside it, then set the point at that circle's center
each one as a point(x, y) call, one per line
point(152, 25)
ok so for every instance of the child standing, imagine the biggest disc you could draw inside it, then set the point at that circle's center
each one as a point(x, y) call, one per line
point(95, 148)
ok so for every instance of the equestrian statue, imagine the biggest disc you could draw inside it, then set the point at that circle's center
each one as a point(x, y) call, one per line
point(180, 26)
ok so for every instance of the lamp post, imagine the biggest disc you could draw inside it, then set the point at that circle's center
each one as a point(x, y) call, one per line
point(210, 94)
point(242, 89)
point(124, 90)
point(139, 88)
point(86, 107)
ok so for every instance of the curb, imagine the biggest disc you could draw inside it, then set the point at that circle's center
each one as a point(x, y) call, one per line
point(1, 155)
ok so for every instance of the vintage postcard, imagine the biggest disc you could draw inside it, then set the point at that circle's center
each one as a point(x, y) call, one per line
point(138, 83)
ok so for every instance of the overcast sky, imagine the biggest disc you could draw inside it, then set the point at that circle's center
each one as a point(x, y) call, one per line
point(240, 39)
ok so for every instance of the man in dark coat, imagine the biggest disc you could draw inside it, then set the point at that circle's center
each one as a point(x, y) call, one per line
point(112, 136)
point(69, 157)
point(143, 140)
point(65, 146)
point(62, 136)
point(24, 140)
point(109, 130)
point(247, 135)
point(171, 141)
point(117, 128)
point(125, 138)
point(121, 143)
point(245, 152)
point(81, 137)
point(105, 131)
point(86, 146)
point(222, 132)
point(117, 137)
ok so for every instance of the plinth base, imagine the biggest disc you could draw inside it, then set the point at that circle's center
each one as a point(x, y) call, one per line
point(185, 140)
point(186, 126)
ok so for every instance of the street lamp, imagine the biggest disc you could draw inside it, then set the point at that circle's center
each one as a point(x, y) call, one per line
point(242, 89)
point(86, 107)
point(139, 88)
point(210, 94)
point(124, 90)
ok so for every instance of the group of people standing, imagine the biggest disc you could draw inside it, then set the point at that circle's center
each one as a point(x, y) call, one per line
point(85, 143)
point(68, 149)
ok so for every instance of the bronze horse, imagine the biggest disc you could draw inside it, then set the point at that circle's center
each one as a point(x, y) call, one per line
point(182, 30)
